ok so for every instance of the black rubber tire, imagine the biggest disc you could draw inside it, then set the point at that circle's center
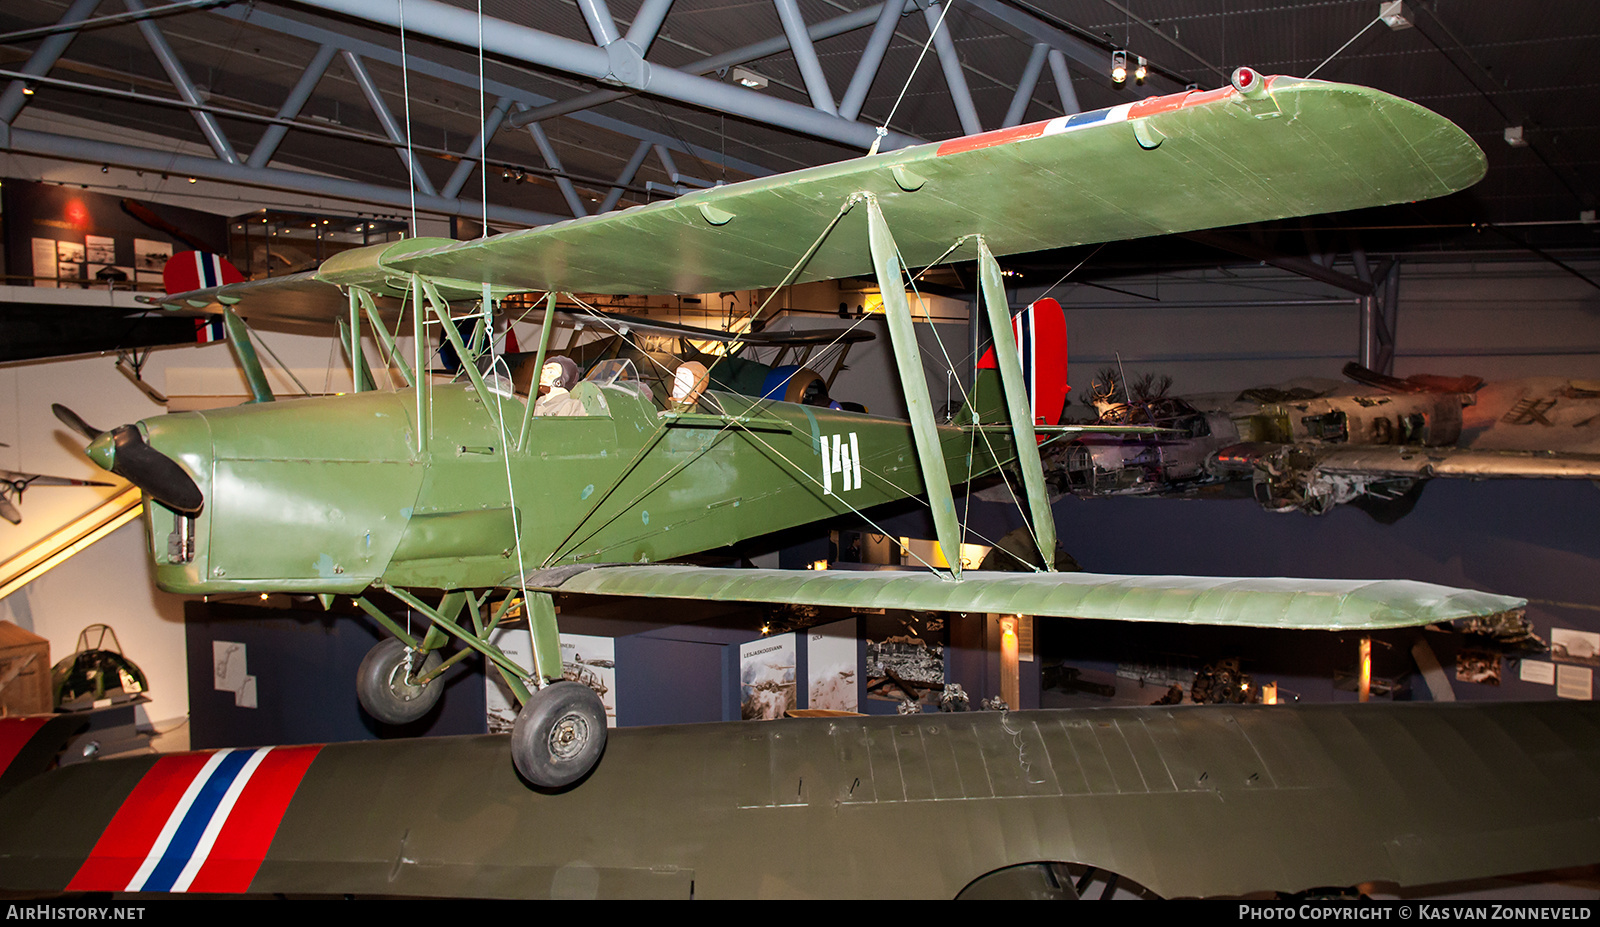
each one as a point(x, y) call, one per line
point(559, 735)
point(383, 691)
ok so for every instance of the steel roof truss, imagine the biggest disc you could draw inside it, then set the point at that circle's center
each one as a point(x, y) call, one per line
point(261, 155)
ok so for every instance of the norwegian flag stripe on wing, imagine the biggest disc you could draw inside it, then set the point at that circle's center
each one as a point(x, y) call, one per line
point(197, 822)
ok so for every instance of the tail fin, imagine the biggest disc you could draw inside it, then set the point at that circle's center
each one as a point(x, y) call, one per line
point(1041, 333)
point(197, 270)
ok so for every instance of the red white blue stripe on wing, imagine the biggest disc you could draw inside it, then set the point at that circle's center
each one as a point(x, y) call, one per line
point(15, 734)
point(1122, 113)
point(197, 822)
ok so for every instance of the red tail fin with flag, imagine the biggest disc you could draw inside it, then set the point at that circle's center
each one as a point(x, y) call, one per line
point(1041, 333)
point(197, 270)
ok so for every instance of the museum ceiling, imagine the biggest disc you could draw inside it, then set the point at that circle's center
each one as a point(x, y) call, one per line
point(208, 87)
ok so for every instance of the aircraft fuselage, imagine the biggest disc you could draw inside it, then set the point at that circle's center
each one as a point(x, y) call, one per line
point(335, 494)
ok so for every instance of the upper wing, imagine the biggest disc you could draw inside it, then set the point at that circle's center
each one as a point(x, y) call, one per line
point(307, 299)
point(1166, 164)
point(1307, 604)
point(1471, 463)
point(821, 336)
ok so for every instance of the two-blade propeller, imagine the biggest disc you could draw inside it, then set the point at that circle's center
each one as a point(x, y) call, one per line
point(124, 451)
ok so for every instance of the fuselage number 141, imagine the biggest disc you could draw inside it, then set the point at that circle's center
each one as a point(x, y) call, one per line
point(840, 456)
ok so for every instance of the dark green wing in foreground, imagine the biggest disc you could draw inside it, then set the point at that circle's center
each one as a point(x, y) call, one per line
point(1187, 801)
point(1306, 604)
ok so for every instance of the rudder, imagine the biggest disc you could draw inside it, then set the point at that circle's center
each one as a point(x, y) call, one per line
point(1041, 334)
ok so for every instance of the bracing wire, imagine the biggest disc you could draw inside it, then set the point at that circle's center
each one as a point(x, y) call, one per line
point(483, 130)
point(760, 403)
point(883, 129)
point(755, 408)
point(511, 494)
point(256, 337)
point(405, 84)
point(1346, 45)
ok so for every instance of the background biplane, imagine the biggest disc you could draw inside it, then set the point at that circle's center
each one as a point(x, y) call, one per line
point(448, 495)
point(13, 484)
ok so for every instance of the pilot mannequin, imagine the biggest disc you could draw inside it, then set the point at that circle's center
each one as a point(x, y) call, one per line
point(688, 382)
point(556, 380)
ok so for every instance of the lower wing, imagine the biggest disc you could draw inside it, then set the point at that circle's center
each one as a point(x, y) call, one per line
point(1308, 604)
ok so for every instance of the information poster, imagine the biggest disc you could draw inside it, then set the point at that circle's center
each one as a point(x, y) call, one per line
point(45, 262)
point(831, 664)
point(766, 678)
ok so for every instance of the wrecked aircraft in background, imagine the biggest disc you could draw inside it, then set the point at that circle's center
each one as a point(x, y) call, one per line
point(1314, 444)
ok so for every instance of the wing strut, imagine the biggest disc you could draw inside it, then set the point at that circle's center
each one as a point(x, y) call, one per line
point(903, 335)
point(1021, 413)
point(244, 350)
point(370, 309)
point(538, 368)
point(360, 371)
point(419, 346)
point(441, 313)
point(351, 333)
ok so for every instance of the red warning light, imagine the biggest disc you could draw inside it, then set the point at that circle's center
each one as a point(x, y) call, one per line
point(77, 214)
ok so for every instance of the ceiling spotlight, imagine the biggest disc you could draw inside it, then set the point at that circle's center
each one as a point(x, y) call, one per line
point(192, 180)
point(105, 168)
point(1141, 72)
point(27, 88)
point(1119, 67)
point(1395, 15)
point(521, 177)
point(745, 77)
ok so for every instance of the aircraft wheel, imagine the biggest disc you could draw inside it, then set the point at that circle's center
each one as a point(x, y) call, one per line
point(559, 735)
point(386, 692)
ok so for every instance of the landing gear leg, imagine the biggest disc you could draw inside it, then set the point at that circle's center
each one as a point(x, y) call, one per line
point(398, 681)
point(561, 730)
point(387, 686)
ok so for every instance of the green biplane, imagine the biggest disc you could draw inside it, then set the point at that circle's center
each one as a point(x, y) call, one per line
point(449, 495)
